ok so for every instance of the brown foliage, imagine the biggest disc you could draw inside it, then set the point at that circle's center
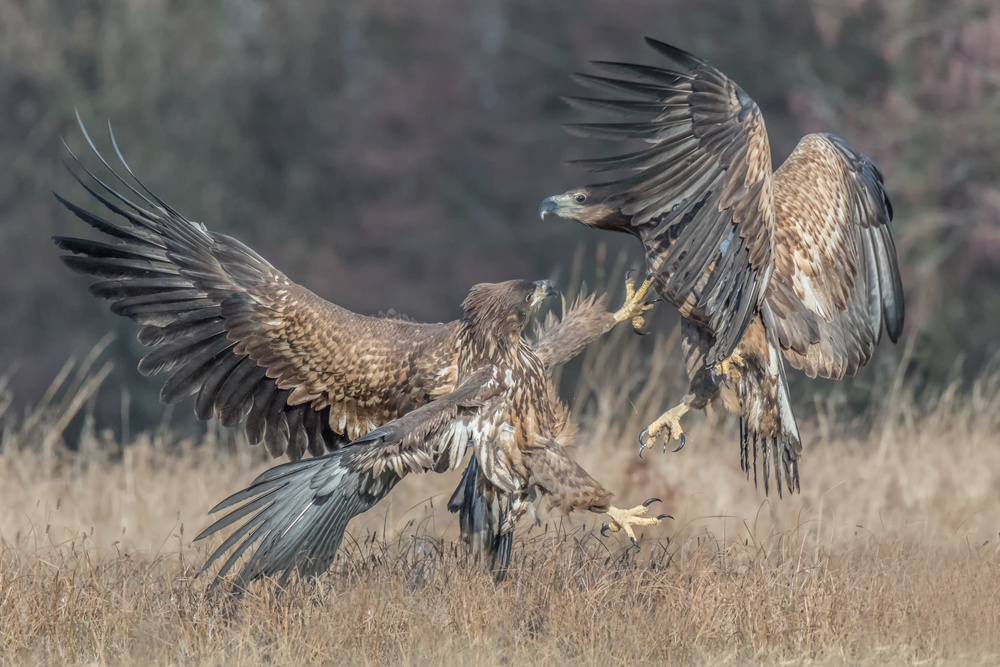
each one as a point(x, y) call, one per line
point(889, 555)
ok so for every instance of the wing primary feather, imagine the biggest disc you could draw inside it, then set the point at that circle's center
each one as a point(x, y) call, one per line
point(679, 56)
point(121, 158)
point(100, 157)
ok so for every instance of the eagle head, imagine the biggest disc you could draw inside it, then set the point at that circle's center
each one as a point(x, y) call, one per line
point(582, 205)
point(501, 310)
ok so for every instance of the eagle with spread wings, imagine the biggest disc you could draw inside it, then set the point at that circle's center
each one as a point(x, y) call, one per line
point(384, 396)
point(796, 263)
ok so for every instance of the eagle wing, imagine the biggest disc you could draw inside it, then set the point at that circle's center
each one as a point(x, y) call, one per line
point(296, 513)
point(700, 195)
point(836, 282)
point(561, 338)
point(251, 345)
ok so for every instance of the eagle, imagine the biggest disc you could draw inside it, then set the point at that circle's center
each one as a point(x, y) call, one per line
point(371, 398)
point(766, 267)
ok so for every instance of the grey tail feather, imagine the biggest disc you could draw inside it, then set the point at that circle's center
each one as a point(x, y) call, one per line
point(780, 451)
point(295, 515)
point(480, 521)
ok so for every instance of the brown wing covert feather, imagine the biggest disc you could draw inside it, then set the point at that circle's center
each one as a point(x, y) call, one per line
point(250, 345)
point(561, 338)
point(836, 282)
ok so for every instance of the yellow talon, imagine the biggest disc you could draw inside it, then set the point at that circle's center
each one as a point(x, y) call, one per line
point(669, 424)
point(635, 305)
point(730, 368)
point(626, 519)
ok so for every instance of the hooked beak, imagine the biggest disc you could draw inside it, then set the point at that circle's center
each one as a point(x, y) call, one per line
point(548, 205)
point(543, 290)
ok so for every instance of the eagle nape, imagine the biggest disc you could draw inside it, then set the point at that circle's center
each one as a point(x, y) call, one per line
point(626, 519)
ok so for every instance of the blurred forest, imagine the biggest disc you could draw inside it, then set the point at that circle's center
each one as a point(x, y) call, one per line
point(391, 154)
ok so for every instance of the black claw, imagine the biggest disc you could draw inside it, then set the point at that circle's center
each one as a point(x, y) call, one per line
point(680, 446)
point(643, 440)
point(650, 501)
point(628, 273)
point(604, 530)
point(635, 544)
point(664, 516)
point(641, 332)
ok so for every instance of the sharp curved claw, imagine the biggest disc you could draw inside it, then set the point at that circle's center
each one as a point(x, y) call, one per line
point(604, 530)
point(650, 501)
point(643, 440)
point(663, 516)
point(635, 544)
point(680, 446)
point(641, 332)
point(628, 274)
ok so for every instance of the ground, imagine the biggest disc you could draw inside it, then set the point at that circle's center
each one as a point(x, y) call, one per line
point(890, 555)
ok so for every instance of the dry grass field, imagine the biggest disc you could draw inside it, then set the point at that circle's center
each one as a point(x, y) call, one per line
point(890, 555)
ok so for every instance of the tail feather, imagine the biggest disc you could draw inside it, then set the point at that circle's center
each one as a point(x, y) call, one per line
point(297, 515)
point(767, 424)
point(482, 520)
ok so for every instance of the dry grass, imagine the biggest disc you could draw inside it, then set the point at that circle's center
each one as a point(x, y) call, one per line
point(889, 555)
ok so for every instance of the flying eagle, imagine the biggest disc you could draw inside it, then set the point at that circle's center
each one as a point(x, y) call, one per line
point(385, 395)
point(799, 262)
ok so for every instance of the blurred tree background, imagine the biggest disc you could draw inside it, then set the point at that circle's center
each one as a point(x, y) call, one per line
point(391, 154)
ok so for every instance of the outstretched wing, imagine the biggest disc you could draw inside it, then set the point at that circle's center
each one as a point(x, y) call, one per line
point(251, 345)
point(296, 513)
point(836, 282)
point(700, 195)
point(561, 338)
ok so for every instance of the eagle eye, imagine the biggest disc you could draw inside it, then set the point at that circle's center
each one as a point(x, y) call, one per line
point(580, 197)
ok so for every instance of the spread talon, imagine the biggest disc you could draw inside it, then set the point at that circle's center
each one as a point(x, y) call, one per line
point(626, 519)
point(635, 304)
point(669, 425)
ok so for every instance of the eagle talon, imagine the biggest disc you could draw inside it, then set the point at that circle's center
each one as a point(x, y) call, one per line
point(650, 501)
point(635, 304)
point(729, 370)
point(627, 519)
point(604, 530)
point(669, 424)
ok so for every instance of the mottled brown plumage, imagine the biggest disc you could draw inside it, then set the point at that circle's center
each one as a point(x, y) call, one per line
point(801, 260)
point(302, 374)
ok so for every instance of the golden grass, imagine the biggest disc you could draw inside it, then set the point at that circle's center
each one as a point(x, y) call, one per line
point(889, 554)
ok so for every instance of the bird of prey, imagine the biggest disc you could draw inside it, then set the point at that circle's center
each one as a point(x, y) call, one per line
point(798, 262)
point(385, 395)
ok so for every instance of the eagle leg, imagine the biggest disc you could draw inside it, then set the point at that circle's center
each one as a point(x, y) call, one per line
point(669, 425)
point(635, 304)
point(626, 519)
